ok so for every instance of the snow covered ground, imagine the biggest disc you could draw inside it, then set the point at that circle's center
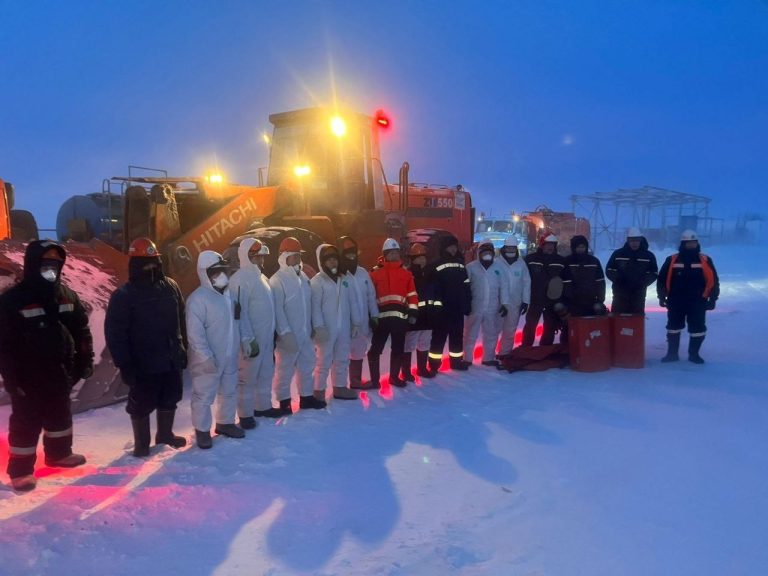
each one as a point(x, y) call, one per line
point(656, 471)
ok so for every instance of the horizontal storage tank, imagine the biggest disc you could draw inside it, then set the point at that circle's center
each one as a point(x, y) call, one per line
point(97, 215)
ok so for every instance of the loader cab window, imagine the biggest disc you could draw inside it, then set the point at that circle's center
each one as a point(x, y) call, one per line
point(341, 174)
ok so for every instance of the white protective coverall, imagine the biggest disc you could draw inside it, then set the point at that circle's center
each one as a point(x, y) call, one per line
point(519, 289)
point(293, 315)
point(213, 335)
point(365, 300)
point(251, 289)
point(334, 307)
point(489, 293)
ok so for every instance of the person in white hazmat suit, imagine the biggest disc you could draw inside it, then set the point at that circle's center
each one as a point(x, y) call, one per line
point(519, 288)
point(335, 317)
point(490, 304)
point(252, 292)
point(295, 352)
point(368, 309)
point(214, 345)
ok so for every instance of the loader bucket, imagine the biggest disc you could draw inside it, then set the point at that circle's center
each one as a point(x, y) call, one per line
point(93, 270)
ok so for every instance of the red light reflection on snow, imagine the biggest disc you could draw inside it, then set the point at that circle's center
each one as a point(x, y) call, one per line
point(364, 399)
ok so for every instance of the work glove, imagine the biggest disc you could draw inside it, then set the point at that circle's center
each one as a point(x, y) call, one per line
point(711, 303)
point(288, 342)
point(373, 322)
point(321, 334)
point(355, 331)
point(250, 348)
point(663, 301)
point(412, 318)
point(524, 308)
point(599, 309)
point(503, 311)
point(209, 366)
point(128, 377)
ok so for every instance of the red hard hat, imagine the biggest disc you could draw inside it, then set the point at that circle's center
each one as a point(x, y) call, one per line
point(417, 250)
point(143, 247)
point(290, 244)
point(255, 247)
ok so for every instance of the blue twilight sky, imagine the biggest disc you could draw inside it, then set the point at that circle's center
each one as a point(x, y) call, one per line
point(524, 102)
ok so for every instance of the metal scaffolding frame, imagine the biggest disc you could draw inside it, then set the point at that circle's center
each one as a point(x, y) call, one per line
point(660, 213)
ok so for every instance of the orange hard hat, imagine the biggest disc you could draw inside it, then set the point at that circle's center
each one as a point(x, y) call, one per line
point(256, 247)
point(417, 250)
point(290, 244)
point(143, 247)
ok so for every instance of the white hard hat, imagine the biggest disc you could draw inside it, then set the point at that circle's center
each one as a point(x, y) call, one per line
point(510, 241)
point(550, 238)
point(634, 232)
point(390, 244)
point(688, 235)
point(264, 250)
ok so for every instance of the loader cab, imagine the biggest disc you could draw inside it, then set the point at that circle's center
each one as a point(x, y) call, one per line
point(330, 159)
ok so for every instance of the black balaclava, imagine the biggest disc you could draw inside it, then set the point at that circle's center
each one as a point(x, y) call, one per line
point(579, 240)
point(33, 261)
point(325, 253)
point(445, 242)
point(348, 259)
point(136, 272)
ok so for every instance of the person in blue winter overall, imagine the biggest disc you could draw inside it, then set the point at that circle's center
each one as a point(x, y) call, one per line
point(213, 333)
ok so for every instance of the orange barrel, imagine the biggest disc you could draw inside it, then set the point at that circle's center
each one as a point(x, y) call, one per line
point(589, 343)
point(628, 340)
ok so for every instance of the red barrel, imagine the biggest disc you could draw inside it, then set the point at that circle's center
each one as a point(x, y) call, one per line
point(628, 340)
point(589, 343)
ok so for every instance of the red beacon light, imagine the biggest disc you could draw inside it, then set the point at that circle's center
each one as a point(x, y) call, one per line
point(382, 119)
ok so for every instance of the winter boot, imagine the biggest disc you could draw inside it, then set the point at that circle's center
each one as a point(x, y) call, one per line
point(422, 369)
point(285, 407)
point(434, 364)
point(203, 438)
point(395, 361)
point(493, 363)
point(460, 364)
point(269, 413)
point(24, 483)
point(375, 368)
point(310, 402)
point(141, 436)
point(248, 423)
point(405, 367)
point(165, 433)
point(344, 393)
point(356, 375)
point(70, 461)
point(694, 345)
point(673, 345)
point(230, 430)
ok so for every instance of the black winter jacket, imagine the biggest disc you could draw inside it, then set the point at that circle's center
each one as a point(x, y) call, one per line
point(583, 284)
point(45, 342)
point(424, 290)
point(687, 280)
point(450, 283)
point(543, 268)
point(145, 326)
point(632, 270)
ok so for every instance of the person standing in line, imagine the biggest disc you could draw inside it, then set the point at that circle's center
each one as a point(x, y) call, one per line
point(584, 281)
point(398, 307)
point(213, 333)
point(631, 269)
point(688, 286)
point(546, 268)
point(295, 352)
point(519, 288)
point(335, 318)
point(419, 335)
point(365, 301)
point(490, 304)
point(45, 349)
point(452, 302)
point(253, 294)
point(146, 333)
